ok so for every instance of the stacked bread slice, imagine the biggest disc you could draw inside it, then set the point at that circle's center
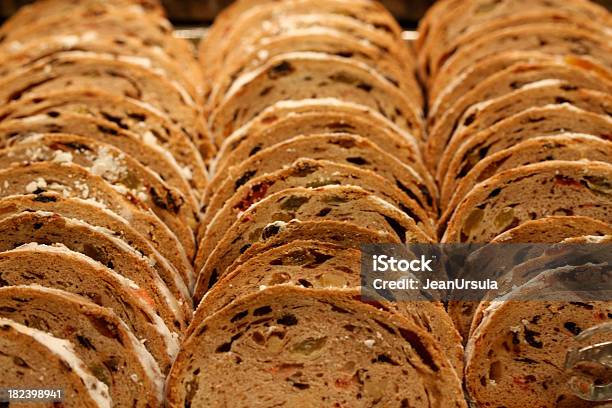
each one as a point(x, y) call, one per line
point(519, 139)
point(317, 114)
point(103, 164)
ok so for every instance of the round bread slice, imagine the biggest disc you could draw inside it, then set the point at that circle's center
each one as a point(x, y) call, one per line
point(152, 156)
point(154, 32)
point(100, 339)
point(287, 119)
point(506, 200)
point(315, 264)
point(286, 24)
point(548, 38)
point(551, 230)
point(303, 75)
point(568, 147)
point(127, 49)
point(528, 124)
point(516, 355)
point(73, 180)
point(484, 115)
point(246, 21)
point(60, 268)
point(110, 163)
point(128, 114)
point(32, 359)
point(443, 124)
point(341, 148)
point(316, 347)
point(503, 16)
point(341, 233)
point(96, 215)
point(318, 39)
point(91, 71)
point(301, 173)
point(341, 203)
point(102, 246)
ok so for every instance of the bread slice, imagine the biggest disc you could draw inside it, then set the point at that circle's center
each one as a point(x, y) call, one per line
point(91, 71)
point(533, 122)
point(129, 114)
point(34, 359)
point(73, 180)
point(564, 13)
point(287, 119)
point(153, 31)
point(505, 200)
point(98, 216)
point(342, 233)
point(551, 229)
point(246, 21)
point(443, 123)
point(452, 20)
point(110, 163)
point(101, 340)
point(548, 38)
point(341, 203)
point(301, 173)
point(568, 147)
point(102, 246)
point(303, 75)
point(313, 346)
point(126, 49)
point(314, 264)
point(320, 39)
point(484, 115)
point(152, 156)
point(341, 148)
point(60, 268)
point(537, 335)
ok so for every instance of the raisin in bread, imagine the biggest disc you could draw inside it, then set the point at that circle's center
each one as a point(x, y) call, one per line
point(548, 38)
point(342, 203)
point(33, 358)
point(302, 173)
point(357, 360)
point(505, 200)
point(484, 115)
point(551, 229)
point(73, 180)
point(150, 125)
point(302, 75)
point(287, 119)
point(318, 39)
point(99, 216)
point(108, 162)
point(102, 246)
point(60, 268)
point(516, 354)
point(315, 264)
point(152, 156)
point(568, 147)
point(101, 340)
point(517, 76)
point(91, 71)
point(530, 123)
point(337, 147)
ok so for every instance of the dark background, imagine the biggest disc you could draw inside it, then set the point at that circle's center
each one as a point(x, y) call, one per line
point(194, 12)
